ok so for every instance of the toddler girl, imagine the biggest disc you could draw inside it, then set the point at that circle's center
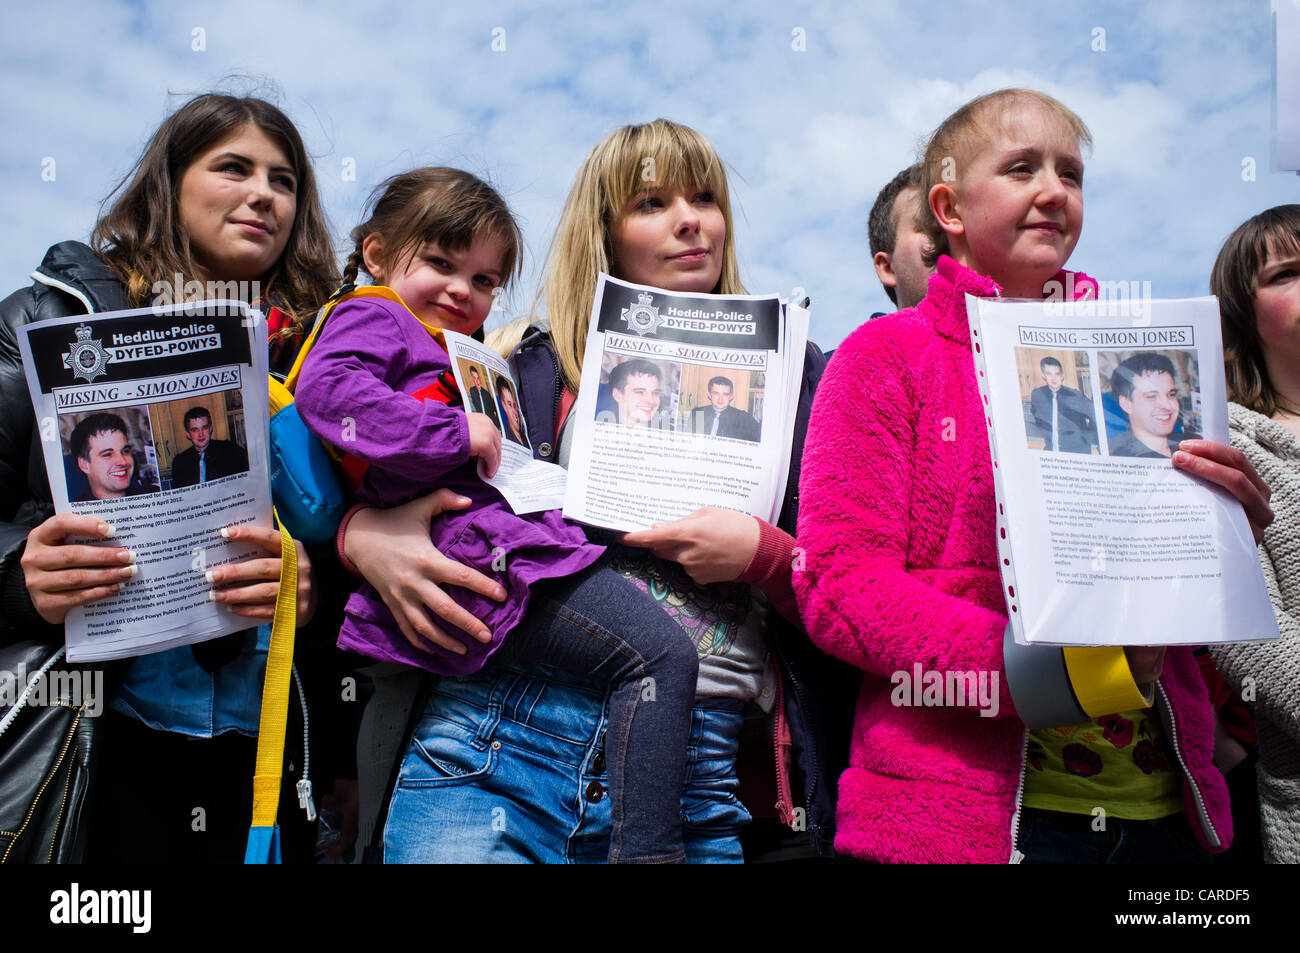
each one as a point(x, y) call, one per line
point(897, 524)
point(440, 243)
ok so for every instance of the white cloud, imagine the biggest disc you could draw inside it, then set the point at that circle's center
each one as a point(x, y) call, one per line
point(1178, 97)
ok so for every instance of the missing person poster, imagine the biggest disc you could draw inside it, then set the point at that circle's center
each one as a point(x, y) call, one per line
point(528, 485)
point(686, 400)
point(155, 421)
point(1101, 540)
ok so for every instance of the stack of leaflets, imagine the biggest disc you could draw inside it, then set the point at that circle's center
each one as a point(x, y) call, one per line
point(686, 401)
point(487, 386)
point(155, 421)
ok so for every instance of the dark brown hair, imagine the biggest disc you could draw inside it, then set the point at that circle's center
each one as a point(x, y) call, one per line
point(1235, 281)
point(434, 204)
point(141, 235)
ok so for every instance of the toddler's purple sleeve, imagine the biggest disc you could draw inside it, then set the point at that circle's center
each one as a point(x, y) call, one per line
point(348, 394)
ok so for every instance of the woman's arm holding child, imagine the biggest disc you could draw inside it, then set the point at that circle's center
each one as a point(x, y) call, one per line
point(391, 550)
point(718, 545)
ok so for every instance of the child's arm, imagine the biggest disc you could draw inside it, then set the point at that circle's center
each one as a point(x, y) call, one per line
point(858, 601)
point(484, 442)
point(345, 396)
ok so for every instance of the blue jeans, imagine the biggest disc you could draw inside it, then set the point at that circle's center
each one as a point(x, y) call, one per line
point(599, 625)
point(1056, 837)
point(507, 766)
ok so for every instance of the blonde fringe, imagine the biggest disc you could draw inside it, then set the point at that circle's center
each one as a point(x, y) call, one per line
point(657, 154)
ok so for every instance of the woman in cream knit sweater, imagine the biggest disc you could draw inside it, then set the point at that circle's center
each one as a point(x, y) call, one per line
point(1257, 280)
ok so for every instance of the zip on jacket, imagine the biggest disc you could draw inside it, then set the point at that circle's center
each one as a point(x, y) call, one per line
point(1017, 857)
point(1166, 711)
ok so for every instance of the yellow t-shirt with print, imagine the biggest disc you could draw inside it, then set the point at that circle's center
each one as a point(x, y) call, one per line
point(1120, 763)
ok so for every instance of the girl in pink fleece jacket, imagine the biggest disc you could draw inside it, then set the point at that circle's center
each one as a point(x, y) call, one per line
point(897, 531)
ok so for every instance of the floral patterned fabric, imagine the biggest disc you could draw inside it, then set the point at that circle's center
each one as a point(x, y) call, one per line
point(1119, 762)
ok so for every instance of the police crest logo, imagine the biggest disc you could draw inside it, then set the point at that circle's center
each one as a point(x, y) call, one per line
point(86, 358)
point(642, 317)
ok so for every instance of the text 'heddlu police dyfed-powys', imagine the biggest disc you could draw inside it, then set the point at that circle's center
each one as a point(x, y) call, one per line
point(715, 322)
point(168, 342)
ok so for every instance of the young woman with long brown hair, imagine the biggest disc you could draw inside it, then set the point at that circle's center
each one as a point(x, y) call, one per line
point(222, 196)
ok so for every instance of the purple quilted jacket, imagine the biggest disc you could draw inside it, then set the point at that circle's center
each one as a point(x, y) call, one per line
point(354, 392)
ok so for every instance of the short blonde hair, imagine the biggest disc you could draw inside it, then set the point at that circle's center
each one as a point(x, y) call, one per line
point(950, 146)
point(660, 153)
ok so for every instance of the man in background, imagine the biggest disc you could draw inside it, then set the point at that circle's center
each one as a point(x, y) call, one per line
point(896, 245)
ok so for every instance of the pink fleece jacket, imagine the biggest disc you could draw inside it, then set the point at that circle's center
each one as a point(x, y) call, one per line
point(896, 524)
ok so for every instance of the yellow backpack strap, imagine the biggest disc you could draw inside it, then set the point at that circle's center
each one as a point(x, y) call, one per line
point(343, 294)
point(275, 690)
point(1102, 681)
point(291, 381)
point(279, 394)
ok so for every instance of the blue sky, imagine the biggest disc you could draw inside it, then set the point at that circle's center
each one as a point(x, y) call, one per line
point(1177, 100)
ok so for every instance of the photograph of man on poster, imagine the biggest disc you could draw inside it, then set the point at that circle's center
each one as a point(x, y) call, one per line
point(479, 399)
point(718, 418)
point(101, 446)
point(1146, 387)
point(1065, 415)
point(206, 458)
point(636, 387)
point(512, 422)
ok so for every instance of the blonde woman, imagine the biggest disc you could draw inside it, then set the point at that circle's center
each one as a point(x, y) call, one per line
point(509, 764)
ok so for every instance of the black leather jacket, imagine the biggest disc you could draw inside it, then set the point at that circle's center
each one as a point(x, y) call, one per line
point(71, 280)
